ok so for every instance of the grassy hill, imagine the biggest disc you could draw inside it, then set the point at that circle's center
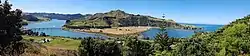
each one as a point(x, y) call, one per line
point(57, 46)
point(56, 42)
point(58, 16)
point(28, 17)
point(117, 18)
point(230, 40)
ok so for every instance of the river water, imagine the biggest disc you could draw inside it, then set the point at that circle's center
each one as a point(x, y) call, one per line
point(181, 33)
point(56, 30)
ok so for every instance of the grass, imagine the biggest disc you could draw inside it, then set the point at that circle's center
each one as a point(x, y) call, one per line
point(88, 23)
point(57, 42)
point(43, 18)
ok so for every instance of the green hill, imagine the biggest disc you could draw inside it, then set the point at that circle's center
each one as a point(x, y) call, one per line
point(117, 18)
point(58, 16)
point(230, 40)
point(29, 17)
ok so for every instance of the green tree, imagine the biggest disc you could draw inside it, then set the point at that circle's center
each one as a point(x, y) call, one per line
point(10, 33)
point(97, 47)
point(193, 47)
point(231, 40)
point(162, 40)
point(135, 47)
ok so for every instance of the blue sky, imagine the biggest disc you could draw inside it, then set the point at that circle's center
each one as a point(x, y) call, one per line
point(184, 11)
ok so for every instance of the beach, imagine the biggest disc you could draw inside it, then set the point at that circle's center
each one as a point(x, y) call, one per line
point(116, 30)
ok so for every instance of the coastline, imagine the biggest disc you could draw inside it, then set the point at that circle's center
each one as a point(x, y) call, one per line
point(133, 31)
point(115, 31)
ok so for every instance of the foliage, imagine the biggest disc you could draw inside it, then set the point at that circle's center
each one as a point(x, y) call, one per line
point(32, 33)
point(117, 18)
point(10, 22)
point(97, 47)
point(230, 40)
point(57, 16)
point(135, 47)
point(56, 42)
point(30, 18)
point(193, 47)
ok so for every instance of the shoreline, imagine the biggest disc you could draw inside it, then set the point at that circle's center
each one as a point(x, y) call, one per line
point(115, 31)
point(134, 31)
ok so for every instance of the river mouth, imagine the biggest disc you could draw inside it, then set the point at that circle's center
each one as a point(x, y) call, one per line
point(54, 28)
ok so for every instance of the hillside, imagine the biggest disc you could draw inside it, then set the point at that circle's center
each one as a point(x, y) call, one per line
point(230, 40)
point(57, 16)
point(118, 18)
point(56, 46)
point(26, 18)
point(30, 17)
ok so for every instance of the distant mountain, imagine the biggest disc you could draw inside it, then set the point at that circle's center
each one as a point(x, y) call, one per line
point(57, 16)
point(30, 17)
point(117, 18)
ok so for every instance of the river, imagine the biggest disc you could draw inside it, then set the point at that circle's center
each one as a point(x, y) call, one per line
point(181, 33)
point(56, 30)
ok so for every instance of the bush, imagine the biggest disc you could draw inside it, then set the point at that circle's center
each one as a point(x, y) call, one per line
point(10, 33)
point(97, 47)
point(135, 47)
point(31, 40)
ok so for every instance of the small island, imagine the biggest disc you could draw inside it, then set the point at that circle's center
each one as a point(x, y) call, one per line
point(117, 22)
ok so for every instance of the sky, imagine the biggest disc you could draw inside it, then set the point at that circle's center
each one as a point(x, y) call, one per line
point(182, 11)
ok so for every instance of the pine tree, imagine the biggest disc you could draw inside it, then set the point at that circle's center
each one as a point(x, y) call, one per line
point(163, 40)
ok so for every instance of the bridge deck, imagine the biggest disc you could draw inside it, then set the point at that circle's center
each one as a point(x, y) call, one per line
point(43, 28)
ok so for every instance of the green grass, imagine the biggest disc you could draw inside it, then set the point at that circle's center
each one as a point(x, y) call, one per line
point(43, 18)
point(57, 42)
point(88, 23)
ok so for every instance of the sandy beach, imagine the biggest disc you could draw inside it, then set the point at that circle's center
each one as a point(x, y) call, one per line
point(116, 30)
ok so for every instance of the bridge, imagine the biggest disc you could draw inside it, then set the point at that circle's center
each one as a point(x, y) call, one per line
point(38, 29)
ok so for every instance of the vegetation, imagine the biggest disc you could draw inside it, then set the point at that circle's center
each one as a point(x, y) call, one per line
point(10, 22)
point(43, 18)
point(118, 18)
point(136, 47)
point(58, 16)
point(32, 33)
point(28, 17)
point(91, 47)
point(230, 40)
point(55, 42)
point(50, 46)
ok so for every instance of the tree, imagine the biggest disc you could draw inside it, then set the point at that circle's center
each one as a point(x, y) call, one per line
point(42, 34)
point(193, 47)
point(10, 34)
point(231, 40)
point(135, 47)
point(85, 49)
point(98, 47)
point(163, 40)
